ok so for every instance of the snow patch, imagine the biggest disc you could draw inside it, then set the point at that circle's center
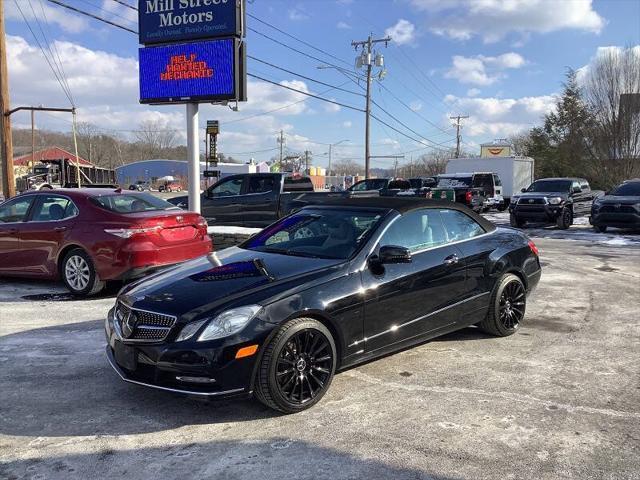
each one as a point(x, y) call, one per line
point(222, 230)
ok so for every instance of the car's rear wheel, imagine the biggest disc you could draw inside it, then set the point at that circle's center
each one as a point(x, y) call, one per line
point(514, 221)
point(600, 228)
point(565, 219)
point(79, 274)
point(507, 308)
point(297, 366)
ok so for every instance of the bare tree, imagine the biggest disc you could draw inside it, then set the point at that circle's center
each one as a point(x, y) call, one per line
point(612, 91)
point(154, 137)
point(346, 167)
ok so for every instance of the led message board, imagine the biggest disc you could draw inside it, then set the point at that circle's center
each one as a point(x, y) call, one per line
point(164, 21)
point(209, 71)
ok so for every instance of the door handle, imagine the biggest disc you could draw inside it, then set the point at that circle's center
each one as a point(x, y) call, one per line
point(59, 229)
point(451, 259)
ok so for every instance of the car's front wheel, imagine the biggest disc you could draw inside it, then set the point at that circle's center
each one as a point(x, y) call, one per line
point(514, 221)
point(565, 219)
point(600, 228)
point(79, 273)
point(507, 308)
point(297, 366)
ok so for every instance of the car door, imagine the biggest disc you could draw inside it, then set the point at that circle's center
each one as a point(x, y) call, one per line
point(476, 247)
point(13, 213)
point(260, 200)
point(50, 222)
point(221, 204)
point(407, 300)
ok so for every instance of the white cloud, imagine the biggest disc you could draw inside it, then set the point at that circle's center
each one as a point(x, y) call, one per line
point(473, 92)
point(331, 107)
point(402, 33)
point(494, 19)
point(500, 117)
point(347, 124)
point(481, 70)
point(343, 25)
point(107, 95)
point(415, 105)
point(68, 22)
point(583, 72)
point(296, 14)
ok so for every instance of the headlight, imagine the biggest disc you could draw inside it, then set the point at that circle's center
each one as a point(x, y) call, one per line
point(555, 200)
point(228, 322)
point(188, 331)
point(514, 200)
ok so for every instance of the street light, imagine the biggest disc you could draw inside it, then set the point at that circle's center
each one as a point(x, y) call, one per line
point(331, 145)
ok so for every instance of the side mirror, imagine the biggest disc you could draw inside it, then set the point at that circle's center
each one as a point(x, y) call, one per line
point(523, 190)
point(394, 254)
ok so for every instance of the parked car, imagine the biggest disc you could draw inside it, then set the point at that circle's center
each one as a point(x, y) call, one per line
point(140, 186)
point(323, 289)
point(514, 173)
point(250, 199)
point(89, 236)
point(463, 186)
point(619, 208)
point(369, 185)
point(552, 200)
point(170, 187)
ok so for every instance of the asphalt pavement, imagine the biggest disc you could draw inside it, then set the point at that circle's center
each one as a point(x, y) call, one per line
point(560, 399)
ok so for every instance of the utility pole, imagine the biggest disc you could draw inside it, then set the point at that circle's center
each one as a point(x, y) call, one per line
point(33, 139)
point(281, 142)
point(6, 149)
point(366, 59)
point(458, 126)
point(306, 161)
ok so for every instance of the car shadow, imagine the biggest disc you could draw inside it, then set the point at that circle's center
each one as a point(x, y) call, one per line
point(56, 382)
point(272, 458)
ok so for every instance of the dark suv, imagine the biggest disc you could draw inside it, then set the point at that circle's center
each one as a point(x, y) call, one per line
point(619, 208)
point(552, 200)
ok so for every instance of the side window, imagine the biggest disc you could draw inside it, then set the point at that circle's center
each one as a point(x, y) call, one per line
point(460, 226)
point(416, 231)
point(15, 210)
point(584, 185)
point(51, 208)
point(261, 184)
point(227, 188)
point(497, 181)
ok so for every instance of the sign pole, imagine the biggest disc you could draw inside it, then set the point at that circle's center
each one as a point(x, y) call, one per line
point(193, 157)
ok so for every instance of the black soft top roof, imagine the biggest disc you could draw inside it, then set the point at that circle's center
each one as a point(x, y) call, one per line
point(400, 204)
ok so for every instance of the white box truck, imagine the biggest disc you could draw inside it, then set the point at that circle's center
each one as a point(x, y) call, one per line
point(515, 173)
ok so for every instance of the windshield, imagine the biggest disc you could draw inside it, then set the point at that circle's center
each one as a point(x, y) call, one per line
point(131, 203)
point(550, 186)
point(317, 233)
point(454, 182)
point(371, 184)
point(631, 189)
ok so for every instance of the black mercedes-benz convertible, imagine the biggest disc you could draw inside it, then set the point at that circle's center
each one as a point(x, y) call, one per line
point(325, 288)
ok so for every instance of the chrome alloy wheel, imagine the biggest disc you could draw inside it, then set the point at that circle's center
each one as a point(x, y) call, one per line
point(77, 272)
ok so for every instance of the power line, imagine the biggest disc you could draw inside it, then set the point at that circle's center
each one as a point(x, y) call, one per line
point(298, 39)
point(96, 17)
point(110, 12)
point(434, 146)
point(333, 87)
point(125, 4)
point(306, 93)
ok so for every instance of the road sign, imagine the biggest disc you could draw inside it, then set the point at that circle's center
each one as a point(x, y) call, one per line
point(208, 71)
point(213, 127)
point(167, 21)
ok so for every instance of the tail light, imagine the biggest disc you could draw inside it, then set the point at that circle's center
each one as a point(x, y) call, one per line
point(533, 248)
point(468, 196)
point(130, 232)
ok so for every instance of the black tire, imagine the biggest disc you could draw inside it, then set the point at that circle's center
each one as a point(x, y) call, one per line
point(79, 274)
point(516, 222)
point(507, 307)
point(565, 220)
point(292, 356)
point(600, 228)
point(502, 208)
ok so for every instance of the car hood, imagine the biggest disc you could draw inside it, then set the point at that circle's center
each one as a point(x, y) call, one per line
point(622, 200)
point(206, 283)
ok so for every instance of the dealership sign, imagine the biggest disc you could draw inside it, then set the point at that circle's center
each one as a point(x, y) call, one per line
point(191, 72)
point(164, 21)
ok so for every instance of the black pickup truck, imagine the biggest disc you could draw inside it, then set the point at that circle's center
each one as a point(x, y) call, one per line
point(552, 200)
point(249, 200)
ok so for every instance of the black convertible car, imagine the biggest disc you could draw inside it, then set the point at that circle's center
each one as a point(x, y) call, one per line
point(325, 288)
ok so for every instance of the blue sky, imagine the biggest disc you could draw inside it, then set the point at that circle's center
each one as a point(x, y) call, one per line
point(500, 62)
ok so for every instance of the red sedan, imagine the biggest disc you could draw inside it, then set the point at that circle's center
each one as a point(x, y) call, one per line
point(89, 236)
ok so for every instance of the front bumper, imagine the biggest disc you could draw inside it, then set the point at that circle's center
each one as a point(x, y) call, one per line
point(207, 370)
point(536, 213)
point(614, 219)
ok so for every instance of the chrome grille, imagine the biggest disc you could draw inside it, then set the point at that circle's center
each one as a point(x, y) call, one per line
point(528, 201)
point(613, 208)
point(142, 325)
